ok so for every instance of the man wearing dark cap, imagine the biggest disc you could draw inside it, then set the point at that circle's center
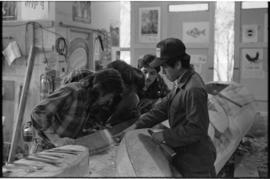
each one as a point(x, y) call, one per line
point(186, 109)
point(68, 113)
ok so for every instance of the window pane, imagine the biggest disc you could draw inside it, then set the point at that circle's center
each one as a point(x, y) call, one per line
point(125, 24)
point(254, 5)
point(188, 7)
point(125, 56)
point(224, 41)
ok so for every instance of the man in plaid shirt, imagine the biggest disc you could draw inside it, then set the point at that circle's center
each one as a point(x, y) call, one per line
point(68, 113)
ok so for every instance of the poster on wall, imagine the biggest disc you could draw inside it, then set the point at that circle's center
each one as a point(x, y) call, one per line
point(9, 10)
point(81, 11)
point(149, 24)
point(34, 10)
point(195, 32)
point(249, 33)
point(265, 28)
point(200, 59)
point(252, 63)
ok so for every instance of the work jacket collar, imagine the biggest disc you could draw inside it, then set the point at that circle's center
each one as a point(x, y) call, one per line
point(184, 78)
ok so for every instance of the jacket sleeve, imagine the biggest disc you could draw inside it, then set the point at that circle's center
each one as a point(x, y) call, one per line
point(126, 110)
point(197, 120)
point(156, 115)
point(43, 114)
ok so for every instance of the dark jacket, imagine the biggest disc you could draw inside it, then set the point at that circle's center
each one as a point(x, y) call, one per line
point(186, 109)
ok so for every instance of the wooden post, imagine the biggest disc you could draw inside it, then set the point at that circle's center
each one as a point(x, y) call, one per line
point(19, 119)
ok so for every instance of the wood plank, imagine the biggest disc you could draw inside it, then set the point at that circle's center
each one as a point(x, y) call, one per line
point(65, 161)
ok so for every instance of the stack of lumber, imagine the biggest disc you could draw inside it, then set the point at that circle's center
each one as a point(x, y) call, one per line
point(65, 161)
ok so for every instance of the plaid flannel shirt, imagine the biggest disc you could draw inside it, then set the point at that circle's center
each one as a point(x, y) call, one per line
point(66, 111)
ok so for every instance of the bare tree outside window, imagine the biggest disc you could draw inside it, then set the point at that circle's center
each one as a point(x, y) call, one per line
point(224, 41)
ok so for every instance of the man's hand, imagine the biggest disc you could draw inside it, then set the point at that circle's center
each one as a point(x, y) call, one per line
point(158, 137)
point(119, 136)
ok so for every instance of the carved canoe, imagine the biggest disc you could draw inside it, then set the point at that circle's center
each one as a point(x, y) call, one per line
point(232, 113)
point(139, 156)
point(65, 161)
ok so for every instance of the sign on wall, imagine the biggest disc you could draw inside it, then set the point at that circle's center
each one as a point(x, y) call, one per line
point(81, 11)
point(197, 61)
point(252, 63)
point(196, 32)
point(149, 24)
point(34, 10)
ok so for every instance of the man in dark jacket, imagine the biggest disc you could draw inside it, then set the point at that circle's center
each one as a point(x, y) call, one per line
point(155, 87)
point(186, 109)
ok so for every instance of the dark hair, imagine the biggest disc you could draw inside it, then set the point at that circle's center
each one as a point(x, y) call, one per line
point(139, 79)
point(108, 80)
point(124, 69)
point(77, 75)
point(185, 61)
point(145, 61)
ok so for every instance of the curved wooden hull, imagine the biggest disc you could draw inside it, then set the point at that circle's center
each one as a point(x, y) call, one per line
point(65, 161)
point(230, 119)
point(139, 156)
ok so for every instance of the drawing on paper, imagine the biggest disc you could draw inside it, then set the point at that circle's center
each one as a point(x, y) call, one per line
point(249, 33)
point(253, 59)
point(149, 24)
point(252, 63)
point(196, 32)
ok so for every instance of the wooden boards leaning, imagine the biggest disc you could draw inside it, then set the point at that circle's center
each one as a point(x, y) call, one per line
point(65, 161)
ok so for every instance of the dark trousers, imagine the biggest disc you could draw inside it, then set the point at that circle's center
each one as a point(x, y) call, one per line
point(188, 170)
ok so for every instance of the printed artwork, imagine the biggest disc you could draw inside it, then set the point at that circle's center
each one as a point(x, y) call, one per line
point(200, 59)
point(9, 10)
point(149, 24)
point(196, 32)
point(34, 10)
point(81, 11)
point(252, 63)
point(249, 33)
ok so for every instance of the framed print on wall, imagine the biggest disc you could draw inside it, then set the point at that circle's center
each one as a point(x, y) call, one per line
point(81, 11)
point(149, 24)
point(9, 10)
point(196, 32)
point(249, 33)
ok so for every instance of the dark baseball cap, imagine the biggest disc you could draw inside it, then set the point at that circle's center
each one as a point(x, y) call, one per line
point(168, 49)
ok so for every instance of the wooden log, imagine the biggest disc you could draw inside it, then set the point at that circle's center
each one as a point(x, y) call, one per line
point(65, 161)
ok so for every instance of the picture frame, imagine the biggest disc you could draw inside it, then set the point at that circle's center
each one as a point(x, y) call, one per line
point(149, 24)
point(196, 32)
point(81, 11)
point(9, 10)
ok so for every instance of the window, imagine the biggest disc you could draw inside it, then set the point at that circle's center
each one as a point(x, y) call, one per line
point(254, 5)
point(188, 7)
point(224, 41)
point(125, 31)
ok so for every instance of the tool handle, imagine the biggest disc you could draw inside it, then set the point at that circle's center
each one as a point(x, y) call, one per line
point(170, 152)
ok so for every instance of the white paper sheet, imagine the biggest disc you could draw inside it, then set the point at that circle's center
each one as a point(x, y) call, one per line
point(12, 52)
